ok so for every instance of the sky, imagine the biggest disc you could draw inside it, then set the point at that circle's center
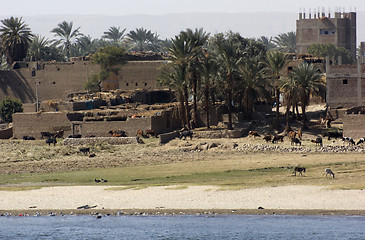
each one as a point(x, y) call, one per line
point(161, 7)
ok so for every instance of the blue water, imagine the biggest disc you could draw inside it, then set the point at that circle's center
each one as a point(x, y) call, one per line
point(183, 227)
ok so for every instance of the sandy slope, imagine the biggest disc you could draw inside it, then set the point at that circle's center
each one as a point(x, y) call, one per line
point(194, 197)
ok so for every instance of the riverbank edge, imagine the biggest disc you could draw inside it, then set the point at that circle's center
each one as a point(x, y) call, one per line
point(147, 212)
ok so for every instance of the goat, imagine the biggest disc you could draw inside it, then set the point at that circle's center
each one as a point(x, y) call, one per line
point(300, 170)
point(277, 138)
point(186, 133)
point(51, 140)
point(28, 138)
point(267, 138)
point(84, 150)
point(296, 141)
point(329, 172)
point(253, 133)
point(318, 141)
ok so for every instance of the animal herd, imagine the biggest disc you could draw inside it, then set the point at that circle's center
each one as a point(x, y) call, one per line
point(301, 170)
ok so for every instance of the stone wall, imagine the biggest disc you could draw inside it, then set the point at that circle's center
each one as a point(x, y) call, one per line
point(353, 126)
point(56, 80)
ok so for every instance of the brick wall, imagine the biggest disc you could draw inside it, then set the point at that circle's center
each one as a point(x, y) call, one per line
point(353, 125)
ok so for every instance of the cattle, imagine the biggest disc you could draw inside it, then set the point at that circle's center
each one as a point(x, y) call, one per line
point(253, 133)
point(151, 133)
point(59, 134)
point(300, 170)
point(140, 133)
point(349, 140)
point(90, 136)
point(277, 138)
point(318, 141)
point(333, 135)
point(74, 136)
point(267, 138)
point(328, 171)
point(186, 133)
point(117, 133)
point(85, 150)
point(292, 134)
point(296, 141)
point(361, 140)
point(325, 122)
point(51, 140)
point(47, 134)
point(28, 138)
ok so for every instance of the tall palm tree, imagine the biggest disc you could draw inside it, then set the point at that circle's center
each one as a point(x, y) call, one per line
point(38, 48)
point(267, 42)
point(309, 81)
point(253, 83)
point(15, 38)
point(287, 42)
point(276, 61)
point(195, 39)
point(289, 88)
point(229, 56)
point(67, 36)
point(114, 35)
point(140, 39)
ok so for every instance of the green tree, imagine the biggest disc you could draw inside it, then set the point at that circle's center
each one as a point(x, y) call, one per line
point(15, 38)
point(109, 59)
point(331, 51)
point(140, 39)
point(309, 81)
point(289, 87)
point(67, 36)
point(276, 61)
point(114, 35)
point(38, 48)
point(267, 42)
point(286, 42)
point(8, 107)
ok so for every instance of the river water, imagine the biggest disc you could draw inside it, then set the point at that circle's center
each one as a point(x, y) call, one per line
point(183, 227)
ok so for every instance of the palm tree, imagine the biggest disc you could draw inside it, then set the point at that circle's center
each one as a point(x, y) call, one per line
point(15, 38)
point(229, 56)
point(195, 40)
point(276, 61)
point(38, 48)
point(140, 39)
point(287, 42)
point(290, 90)
point(114, 35)
point(267, 42)
point(67, 36)
point(309, 81)
point(253, 82)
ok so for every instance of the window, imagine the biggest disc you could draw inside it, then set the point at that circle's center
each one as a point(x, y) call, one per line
point(145, 84)
point(344, 81)
point(136, 84)
point(326, 32)
point(127, 84)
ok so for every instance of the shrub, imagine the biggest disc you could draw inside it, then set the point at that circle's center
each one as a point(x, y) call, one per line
point(9, 106)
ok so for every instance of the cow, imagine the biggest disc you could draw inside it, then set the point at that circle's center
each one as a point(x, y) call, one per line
point(361, 140)
point(318, 141)
point(47, 134)
point(28, 138)
point(292, 134)
point(84, 150)
point(186, 133)
point(300, 170)
point(333, 135)
point(267, 138)
point(74, 136)
point(151, 133)
point(328, 171)
point(253, 133)
point(51, 140)
point(349, 140)
point(296, 141)
point(277, 138)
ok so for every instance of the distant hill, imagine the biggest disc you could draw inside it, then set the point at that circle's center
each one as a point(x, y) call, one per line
point(167, 26)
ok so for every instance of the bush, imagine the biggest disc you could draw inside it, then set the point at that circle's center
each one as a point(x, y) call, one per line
point(9, 106)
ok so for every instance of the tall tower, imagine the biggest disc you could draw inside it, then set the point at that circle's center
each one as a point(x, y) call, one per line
point(339, 30)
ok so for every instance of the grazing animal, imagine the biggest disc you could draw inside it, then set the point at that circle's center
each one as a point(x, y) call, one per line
point(318, 141)
point(267, 138)
point(277, 138)
point(90, 136)
point(117, 133)
point(103, 180)
point(300, 134)
point(292, 134)
point(85, 150)
point(59, 134)
point(28, 138)
point(139, 133)
point(151, 133)
point(296, 141)
point(333, 135)
point(253, 133)
point(300, 170)
point(361, 140)
point(51, 140)
point(74, 136)
point(139, 140)
point(325, 122)
point(186, 133)
point(97, 180)
point(47, 134)
point(349, 140)
point(329, 172)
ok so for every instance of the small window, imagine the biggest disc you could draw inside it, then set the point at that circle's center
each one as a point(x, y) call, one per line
point(127, 84)
point(145, 84)
point(136, 84)
point(344, 81)
point(290, 69)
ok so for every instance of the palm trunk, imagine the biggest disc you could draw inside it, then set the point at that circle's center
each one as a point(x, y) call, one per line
point(182, 110)
point(277, 99)
point(195, 101)
point(304, 126)
point(229, 100)
point(206, 93)
point(186, 108)
point(287, 127)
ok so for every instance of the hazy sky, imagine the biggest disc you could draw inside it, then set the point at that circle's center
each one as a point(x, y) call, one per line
point(158, 7)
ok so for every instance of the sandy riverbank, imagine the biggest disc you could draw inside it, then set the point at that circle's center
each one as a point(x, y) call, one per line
point(202, 198)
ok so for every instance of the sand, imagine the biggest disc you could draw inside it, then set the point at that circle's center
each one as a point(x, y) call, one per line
point(193, 197)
